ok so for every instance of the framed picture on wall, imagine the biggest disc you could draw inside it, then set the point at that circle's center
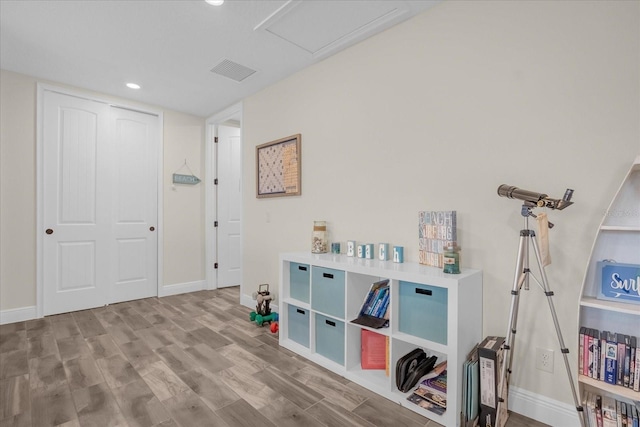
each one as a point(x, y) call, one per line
point(278, 168)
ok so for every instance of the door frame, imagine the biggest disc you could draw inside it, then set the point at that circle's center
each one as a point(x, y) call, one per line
point(211, 194)
point(41, 89)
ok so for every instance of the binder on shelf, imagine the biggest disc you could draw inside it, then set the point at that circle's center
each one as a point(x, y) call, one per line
point(373, 350)
point(374, 309)
point(470, 389)
point(491, 358)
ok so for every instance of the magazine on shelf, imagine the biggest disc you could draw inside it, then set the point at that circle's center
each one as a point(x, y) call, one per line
point(425, 404)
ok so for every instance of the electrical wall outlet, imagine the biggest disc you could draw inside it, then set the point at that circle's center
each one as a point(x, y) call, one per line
point(544, 359)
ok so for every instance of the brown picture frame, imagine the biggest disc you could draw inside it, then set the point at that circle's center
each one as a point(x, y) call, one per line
point(279, 167)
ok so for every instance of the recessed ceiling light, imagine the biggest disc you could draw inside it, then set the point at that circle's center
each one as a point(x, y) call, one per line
point(133, 86)
point(215, 2)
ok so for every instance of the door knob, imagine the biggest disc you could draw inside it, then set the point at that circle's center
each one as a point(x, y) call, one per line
point(152, 228)
point(49, 231)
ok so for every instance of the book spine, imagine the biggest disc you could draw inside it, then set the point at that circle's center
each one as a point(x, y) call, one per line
point(603, 351)
point(632, 364)
point(372, 303)
point(596, 354)
point(636, 385)
point(611, 361)
point(621, 351)
point(581, 350)
point(627, 361)
point(383, 310)
point(590, 353)
point(598, 411)
point(585, 353)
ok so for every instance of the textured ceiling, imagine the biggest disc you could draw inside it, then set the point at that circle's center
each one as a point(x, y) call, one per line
point(170, 47)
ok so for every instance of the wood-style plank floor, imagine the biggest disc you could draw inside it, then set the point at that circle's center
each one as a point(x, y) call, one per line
point(186, 360)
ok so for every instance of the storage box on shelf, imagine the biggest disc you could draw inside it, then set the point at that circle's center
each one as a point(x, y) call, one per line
point(618, 239)
point(440, 313)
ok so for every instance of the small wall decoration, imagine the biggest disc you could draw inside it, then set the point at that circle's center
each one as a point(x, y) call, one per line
point(278, 168)
point(436, 231)
point(185, 179)
point(619, 282)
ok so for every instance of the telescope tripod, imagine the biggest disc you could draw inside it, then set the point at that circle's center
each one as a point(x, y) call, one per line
point(522, 275)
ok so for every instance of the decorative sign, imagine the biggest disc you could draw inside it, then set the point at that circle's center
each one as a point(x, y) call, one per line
point(619, 282)
point(278, 168)
point(185, 179)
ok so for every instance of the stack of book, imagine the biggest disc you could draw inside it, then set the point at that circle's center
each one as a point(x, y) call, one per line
point(431, 393)
point(374, 309)
point(610, 357)
point(605, 411)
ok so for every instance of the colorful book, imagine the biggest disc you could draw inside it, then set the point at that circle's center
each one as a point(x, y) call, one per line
point(636, 385)
point(627, 361)
point(609, 414)
point(611, 360)
point(621, 352)
point(590, 353)
point(632, 363)
point(598, 410)
point(436, 385)
point(373, 350)
point(425, 404)
point(436, 398)
point(603, 351)
point(581, 350)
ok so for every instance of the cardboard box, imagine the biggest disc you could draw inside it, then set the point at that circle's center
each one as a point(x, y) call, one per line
point(491, 358)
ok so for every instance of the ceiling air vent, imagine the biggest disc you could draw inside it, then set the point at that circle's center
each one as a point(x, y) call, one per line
point(232, 70)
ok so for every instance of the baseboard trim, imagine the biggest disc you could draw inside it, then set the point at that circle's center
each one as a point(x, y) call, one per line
point(18, 314)
point(542, 408)
point(181, 288)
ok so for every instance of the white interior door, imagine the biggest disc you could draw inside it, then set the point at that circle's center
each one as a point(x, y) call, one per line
point(100, 203)
point(229, 206)
point(135, 139)
point(76, 217)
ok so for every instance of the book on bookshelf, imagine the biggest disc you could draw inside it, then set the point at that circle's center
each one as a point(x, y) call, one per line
point(373, 350)
point(610, 357)
point(436, 384)
point(433, 397)
point(425, 404)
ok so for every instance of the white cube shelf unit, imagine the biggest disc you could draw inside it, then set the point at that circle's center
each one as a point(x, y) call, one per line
point(441, 313)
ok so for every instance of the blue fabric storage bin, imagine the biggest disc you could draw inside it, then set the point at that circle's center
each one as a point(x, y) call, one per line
point(299, 325)
point(423, 311)
point(299, 281)
point(327, 291)
point(330, 338)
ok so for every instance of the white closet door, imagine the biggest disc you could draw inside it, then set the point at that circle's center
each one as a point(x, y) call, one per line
point(135, 139)
point(100, 204)
point(229, 207)
point(76, 270)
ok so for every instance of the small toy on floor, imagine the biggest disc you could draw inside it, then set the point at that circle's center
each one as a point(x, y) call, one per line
point(263, 312)
point(274, 327)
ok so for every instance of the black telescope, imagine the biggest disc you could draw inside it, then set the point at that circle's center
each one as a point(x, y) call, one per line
point(536, 199)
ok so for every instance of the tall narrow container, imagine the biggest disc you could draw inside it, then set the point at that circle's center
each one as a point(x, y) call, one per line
point(319, 238)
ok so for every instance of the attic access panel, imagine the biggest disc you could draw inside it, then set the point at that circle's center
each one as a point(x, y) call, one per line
point(304, 23)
